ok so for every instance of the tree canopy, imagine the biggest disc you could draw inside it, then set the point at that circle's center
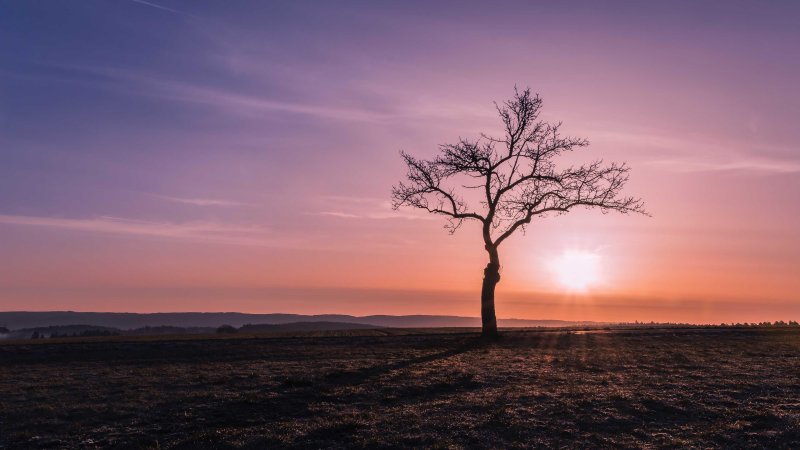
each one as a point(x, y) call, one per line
point(516, 176)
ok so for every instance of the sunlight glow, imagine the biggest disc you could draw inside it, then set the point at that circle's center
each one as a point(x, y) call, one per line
point(577, 270)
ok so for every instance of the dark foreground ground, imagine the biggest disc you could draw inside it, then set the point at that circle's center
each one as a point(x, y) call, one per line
point(641, 388)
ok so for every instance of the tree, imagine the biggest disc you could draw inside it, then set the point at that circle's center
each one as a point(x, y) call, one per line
point(514, 178)
point(226, 329)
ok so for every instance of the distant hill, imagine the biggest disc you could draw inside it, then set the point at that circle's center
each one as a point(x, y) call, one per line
point(303, 326)
point(128, 321)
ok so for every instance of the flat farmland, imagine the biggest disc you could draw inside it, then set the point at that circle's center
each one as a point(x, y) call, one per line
point(635, 388)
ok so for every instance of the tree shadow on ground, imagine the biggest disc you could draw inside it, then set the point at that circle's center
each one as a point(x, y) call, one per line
point(296, 395)
point(360, 376)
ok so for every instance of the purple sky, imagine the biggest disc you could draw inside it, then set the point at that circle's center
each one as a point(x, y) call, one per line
point(205, 155)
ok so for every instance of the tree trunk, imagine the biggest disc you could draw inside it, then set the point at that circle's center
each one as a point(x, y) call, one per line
point(491, 276)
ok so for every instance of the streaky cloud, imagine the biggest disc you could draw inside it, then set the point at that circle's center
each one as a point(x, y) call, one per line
point(247, 104)
point(201, 201)
point(371, 208)
point(719, 155)
point(210, 232)
point(354, 199)
point(761, 165)
point(371, 215)
point(337, 214)
point(163, 8)
point(140, 83)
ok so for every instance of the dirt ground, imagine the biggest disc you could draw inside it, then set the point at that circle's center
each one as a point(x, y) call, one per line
point(636, 388)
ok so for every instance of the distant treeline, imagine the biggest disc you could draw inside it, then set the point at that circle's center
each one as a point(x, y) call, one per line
point(68, 331)
point(80, 331)
point(85, 333)
point(777, 323)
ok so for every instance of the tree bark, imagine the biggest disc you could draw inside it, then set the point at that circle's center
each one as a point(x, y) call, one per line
point(491, 276)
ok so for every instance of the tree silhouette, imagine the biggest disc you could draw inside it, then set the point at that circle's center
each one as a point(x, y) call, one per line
point(514, 178)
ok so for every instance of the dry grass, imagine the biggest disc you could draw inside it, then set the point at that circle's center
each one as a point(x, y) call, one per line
point(636, 388)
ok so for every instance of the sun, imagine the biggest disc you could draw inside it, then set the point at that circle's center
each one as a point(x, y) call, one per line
point(577, 270)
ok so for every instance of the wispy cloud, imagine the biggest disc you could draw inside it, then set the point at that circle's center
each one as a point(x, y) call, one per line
point(372, 215)
point(356, 200)
point(163, 8)
point(201, 201)
point(366, 208)
point(191, 231)
point(247, 104)
point(255, 104)
point(341, 214)
point(681, 154)
point(763, 165)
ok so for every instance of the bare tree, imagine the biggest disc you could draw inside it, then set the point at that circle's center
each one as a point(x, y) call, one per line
point(516, 179)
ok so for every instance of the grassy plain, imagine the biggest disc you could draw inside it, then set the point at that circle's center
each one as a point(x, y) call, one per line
point(623, 388)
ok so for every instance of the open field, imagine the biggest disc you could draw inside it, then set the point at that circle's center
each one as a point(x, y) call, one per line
point(626, 388)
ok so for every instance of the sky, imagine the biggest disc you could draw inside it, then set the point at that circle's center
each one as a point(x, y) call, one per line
point(239, 156)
